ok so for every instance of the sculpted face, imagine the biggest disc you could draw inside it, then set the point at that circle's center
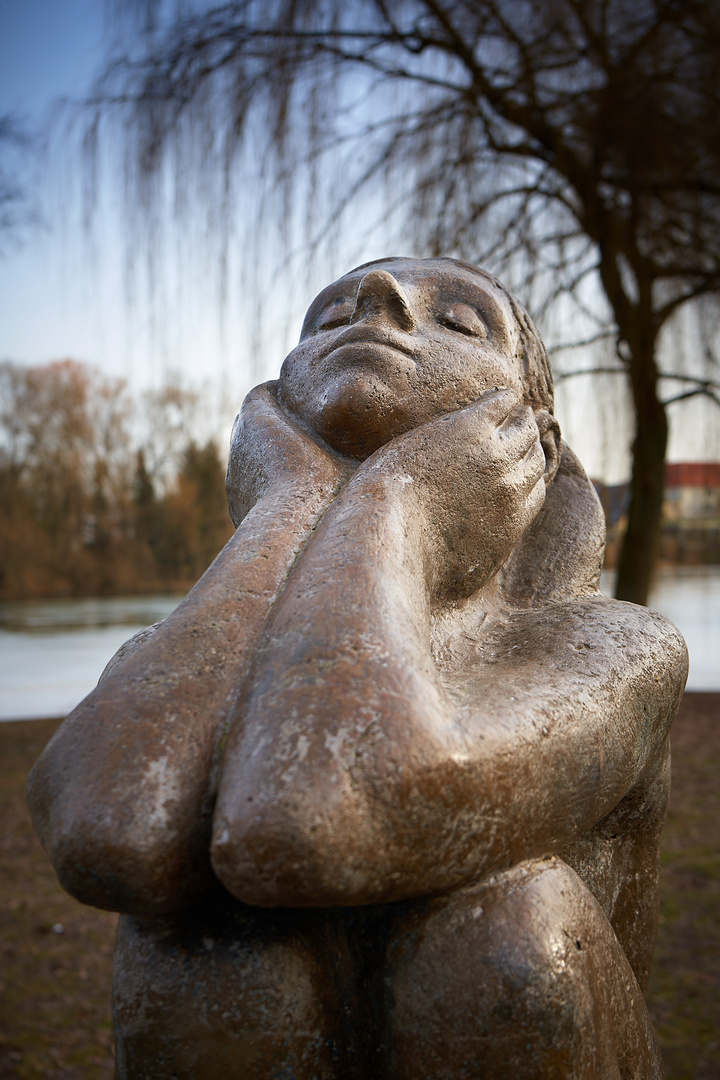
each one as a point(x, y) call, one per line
point(394, 345)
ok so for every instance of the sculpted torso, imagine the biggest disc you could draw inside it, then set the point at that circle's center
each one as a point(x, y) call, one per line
point(394, 757)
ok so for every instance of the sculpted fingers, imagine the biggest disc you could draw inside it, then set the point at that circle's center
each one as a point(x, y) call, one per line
point(473, 482)
point(256, 429)
point(497, 405)
point(504, 465)
point(496, 443)
point(264, 439)
point(269, 451)
point(498, 435)
point(481, 418)
point(519, 436)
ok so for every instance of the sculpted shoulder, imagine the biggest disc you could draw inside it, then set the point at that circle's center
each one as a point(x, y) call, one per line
point(565, 659)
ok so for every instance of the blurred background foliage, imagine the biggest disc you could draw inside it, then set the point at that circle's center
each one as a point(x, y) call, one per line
point(103, 492)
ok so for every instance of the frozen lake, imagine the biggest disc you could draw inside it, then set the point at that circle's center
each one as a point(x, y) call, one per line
point(52, 652)
point(690, 597)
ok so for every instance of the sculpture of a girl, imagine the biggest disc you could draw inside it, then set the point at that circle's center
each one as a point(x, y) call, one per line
point(381, 799)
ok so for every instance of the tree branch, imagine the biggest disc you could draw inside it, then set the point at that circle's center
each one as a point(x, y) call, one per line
point(590, 371)
point(699, 392)
point(603, 335)
point(709, 285)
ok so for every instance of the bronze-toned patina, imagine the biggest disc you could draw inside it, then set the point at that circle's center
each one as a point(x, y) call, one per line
point(381, 799)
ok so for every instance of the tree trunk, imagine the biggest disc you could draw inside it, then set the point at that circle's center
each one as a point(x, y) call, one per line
point(642, 537)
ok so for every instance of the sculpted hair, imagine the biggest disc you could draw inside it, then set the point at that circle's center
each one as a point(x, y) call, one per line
point(531, 352)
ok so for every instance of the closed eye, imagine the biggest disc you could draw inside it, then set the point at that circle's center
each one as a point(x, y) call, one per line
point(328, 310)
point(464, 320)
point(336, 315)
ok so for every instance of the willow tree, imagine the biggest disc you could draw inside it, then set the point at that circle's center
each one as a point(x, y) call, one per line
point(570, 142)
point(17, 210)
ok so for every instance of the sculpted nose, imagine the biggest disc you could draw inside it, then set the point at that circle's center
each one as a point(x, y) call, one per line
point(381, 296)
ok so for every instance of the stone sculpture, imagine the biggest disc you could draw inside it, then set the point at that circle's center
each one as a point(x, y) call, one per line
point(382, 798)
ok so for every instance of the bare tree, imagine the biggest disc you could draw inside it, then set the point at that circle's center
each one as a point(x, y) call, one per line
point(571, 145)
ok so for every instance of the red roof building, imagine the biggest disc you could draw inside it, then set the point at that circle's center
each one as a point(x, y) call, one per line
point(693, 474)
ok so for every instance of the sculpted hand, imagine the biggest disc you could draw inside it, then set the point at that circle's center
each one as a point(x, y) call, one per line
point(478, 479)
point(270, 453)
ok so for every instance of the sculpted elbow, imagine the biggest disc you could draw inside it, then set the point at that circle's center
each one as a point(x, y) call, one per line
point(116, 857)
point(270, 862)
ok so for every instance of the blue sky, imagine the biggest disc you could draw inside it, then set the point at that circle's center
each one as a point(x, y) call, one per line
point(48, 301)
point(47, 49)
point(63, 292)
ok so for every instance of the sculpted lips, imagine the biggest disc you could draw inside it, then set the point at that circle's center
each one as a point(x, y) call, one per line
point(359, 344)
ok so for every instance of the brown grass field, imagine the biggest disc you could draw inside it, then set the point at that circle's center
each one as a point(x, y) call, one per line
point(56, 955)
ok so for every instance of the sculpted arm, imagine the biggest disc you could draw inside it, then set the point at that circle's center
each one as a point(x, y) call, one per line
point(360, 769)
point(122, 796)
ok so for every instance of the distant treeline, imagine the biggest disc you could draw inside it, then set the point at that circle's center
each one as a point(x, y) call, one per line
point(103, 492)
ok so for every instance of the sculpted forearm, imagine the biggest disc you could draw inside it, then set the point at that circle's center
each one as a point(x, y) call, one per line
point(122, 797)
point(342, 705)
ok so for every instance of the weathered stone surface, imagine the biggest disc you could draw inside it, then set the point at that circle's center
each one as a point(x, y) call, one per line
point(382, 798)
